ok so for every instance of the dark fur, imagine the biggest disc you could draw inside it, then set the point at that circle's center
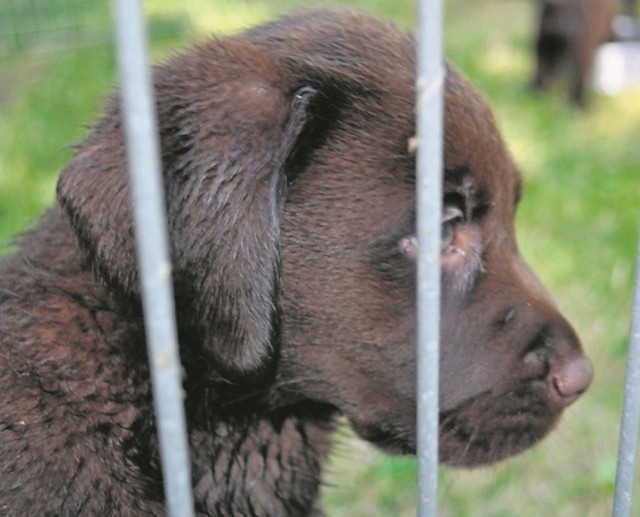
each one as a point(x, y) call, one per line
point(290, 198)
point(569, 32)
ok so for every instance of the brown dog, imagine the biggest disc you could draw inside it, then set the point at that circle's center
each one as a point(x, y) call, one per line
point(290, 194)
point(569, 32)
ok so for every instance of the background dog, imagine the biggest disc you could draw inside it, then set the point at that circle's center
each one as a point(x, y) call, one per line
point(569, 33)
point(290, 197)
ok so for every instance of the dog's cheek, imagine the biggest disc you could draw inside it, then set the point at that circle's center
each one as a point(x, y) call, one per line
point(349, 342)
point(380, 402)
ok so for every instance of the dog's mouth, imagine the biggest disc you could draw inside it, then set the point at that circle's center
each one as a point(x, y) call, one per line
point(484, 429)
point(489, 428)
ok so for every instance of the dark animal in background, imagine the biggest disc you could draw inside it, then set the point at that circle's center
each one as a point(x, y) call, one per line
point(290, 194)
point(569, 34)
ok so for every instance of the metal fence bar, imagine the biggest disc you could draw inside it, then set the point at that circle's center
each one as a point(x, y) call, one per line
point(429, 121)
point(143, 151)
point(630, 425)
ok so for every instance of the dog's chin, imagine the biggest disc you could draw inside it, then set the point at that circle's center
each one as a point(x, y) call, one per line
point(388, 437)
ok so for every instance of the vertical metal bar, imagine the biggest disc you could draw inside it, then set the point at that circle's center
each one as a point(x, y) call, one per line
point(429, 122)
point(143, 151)
point(630, 425)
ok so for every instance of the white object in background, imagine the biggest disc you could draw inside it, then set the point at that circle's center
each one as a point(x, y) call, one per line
point(617, 67)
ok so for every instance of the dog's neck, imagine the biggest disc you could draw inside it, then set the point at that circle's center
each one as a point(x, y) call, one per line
point(264, 467)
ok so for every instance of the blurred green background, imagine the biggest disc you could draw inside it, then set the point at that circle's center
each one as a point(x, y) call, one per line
point(577, 223)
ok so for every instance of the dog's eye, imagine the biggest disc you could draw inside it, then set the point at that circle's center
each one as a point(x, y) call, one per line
point(451, 217)
point(447, 236)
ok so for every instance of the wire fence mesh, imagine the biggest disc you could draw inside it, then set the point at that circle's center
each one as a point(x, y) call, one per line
point(45, 25)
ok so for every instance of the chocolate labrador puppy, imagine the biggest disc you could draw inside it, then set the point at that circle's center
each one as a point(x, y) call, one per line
point(290, 195)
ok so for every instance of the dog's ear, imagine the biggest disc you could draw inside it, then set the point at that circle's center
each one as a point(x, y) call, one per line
point(226, 152)
point(93, 191)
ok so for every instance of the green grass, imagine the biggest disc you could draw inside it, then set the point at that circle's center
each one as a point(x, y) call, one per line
point(577, 226)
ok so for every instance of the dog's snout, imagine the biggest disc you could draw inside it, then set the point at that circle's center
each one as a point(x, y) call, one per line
point(553, 351)
point(570, 378)
point(556, 345)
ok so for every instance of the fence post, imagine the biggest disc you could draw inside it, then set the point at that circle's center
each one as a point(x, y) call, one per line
point(143, 153)
point(630, 425)
point(429, 121)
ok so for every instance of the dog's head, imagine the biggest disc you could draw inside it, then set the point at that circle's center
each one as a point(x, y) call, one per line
point(290, 190)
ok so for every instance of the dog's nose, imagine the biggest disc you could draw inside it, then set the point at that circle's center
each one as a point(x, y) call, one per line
point(571, 378)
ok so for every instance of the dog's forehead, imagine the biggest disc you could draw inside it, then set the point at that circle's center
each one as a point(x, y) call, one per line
point(474, 150)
